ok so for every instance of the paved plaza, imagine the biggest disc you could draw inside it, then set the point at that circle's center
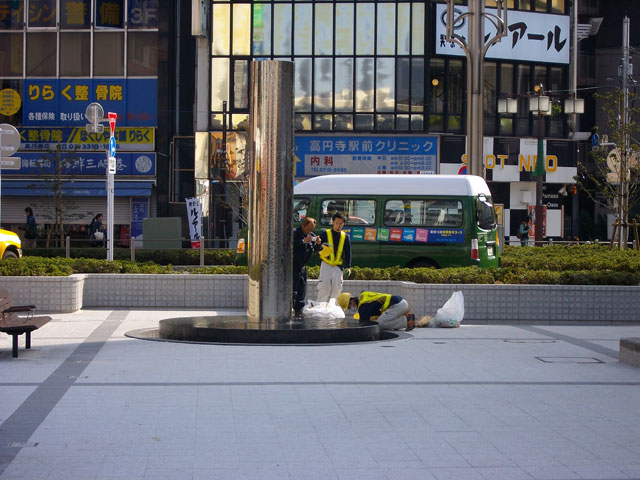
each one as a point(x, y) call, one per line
point(478, 402)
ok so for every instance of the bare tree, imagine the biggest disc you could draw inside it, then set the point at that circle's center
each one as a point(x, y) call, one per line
point(610, 177)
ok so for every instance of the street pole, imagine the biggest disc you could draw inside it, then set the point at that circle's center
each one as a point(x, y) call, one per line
point(624, 157)
point(539, 171)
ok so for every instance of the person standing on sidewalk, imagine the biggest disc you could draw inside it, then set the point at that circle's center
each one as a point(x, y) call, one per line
point(30, 229)
point(336, 259)
point(304, 242)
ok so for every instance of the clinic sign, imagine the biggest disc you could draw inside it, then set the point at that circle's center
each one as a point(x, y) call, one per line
point(381, 154)
point(62, 102)
point(129, 139)
point(531, 37)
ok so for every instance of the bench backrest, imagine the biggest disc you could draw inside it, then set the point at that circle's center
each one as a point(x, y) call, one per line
point(5, 299)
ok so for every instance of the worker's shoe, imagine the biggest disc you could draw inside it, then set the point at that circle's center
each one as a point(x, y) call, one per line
point(411, 322)
point(297, 313)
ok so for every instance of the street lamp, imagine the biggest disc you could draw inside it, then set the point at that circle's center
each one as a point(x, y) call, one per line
point(507, 105)
point(540, 105)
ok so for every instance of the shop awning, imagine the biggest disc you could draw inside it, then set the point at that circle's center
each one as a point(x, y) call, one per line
point(81, 188)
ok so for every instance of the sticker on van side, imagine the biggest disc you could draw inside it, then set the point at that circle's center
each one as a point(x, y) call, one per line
point(405, 235)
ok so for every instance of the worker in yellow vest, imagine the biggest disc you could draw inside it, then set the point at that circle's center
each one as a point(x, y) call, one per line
point(335, 256)
point(389, 311)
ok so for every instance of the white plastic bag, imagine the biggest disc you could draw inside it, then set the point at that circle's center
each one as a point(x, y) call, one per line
point(323, 310)
point(451, 313)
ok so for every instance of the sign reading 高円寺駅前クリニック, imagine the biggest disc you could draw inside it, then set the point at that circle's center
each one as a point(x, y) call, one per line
point(531, 36)
point(84, 163)
point(63, 102)
point(129, 139)
point(381, 154)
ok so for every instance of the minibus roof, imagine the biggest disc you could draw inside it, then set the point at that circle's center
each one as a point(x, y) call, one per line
point(468, 185)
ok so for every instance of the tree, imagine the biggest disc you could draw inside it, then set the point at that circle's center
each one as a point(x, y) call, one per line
point(610, 176)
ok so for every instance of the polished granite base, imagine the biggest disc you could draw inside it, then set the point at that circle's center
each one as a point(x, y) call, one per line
point(242, 329)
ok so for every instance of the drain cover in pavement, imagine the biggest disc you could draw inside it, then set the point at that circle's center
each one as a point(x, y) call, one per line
point(569, 360)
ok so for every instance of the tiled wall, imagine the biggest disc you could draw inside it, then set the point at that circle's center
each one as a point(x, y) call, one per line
point(483, 303)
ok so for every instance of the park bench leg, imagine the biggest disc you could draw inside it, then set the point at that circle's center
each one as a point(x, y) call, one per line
point(27, 340)
point(14, 352)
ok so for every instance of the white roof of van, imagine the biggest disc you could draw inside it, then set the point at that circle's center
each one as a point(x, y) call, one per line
point(393, 185)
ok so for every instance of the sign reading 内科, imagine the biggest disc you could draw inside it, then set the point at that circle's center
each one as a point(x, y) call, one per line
point(129, 139)
point(531, 37)
point(324, 155)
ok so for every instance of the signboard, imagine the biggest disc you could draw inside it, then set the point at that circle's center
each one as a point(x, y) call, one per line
point(109, 13)
point(405, 235)
point(194, 211)
point(85, 163)
point(381, 154)
point(143, 14)
point(139, 211)
point(129, 139)
point(531, 37)
point(62, 102)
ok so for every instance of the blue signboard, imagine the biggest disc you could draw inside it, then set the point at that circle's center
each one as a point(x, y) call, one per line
point(392, 154)
point(139, 211)
point(112, 146)
point(405, 235)
point(84, 163)
point(143, 14)
point(63, 102)
point(109, 13)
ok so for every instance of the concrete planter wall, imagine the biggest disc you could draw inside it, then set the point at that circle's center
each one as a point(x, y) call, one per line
point(483, 303)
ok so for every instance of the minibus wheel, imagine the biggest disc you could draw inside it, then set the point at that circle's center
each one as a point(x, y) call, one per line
point(422, 263)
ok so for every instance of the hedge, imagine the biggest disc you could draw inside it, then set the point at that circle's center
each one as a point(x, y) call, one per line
point(551, 265)
point(185, 256)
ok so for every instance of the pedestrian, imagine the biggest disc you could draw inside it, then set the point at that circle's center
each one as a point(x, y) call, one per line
point(30, 229)
point(304, 242)
point(96, 232)
point(523, 232)
point(388, 311)
point(335, 257)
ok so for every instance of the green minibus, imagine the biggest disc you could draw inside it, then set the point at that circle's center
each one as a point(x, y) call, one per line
point(404, 220)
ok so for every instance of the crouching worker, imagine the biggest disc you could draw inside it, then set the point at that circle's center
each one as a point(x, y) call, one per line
point(389, 311)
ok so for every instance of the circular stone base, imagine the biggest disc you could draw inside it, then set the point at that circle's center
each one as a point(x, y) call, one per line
point(241, 329)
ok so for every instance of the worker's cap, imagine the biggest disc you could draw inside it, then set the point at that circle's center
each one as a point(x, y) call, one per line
point(343, 300)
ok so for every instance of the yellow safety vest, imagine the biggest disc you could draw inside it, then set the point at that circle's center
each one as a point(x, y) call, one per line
point(327, 255)
point(368, 297)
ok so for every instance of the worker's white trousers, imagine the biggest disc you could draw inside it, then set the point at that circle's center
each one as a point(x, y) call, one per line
point(329, 282)
point(393, 317)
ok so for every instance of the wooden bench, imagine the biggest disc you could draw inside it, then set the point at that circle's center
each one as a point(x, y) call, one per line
point(14, 325)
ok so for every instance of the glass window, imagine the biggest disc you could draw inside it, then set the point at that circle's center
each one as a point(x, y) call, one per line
point(489, 88)
point(323, 84)
point(365, 38)
point(11, 15)
point(540, 77)
point(142, 54)
point(364, 122)
point(344, 85)
point(457, 87)
point(417, 122)
point(241, 84)
point(417, 32)
point(402, 122)
point(282, 29)
point(75, 13)
point(541, 5)
point(386, 29)
point(261, 29)
point(385, 122)
point(303, 121)
point(324, 29)
point(11, 54)
point(219, 83)
point(404, 30)
point(303, 29)
point(41, 54)
point(344, 29)
point(220, 29)
point(356, 212)
point(42, 13)
point(439, 212)
point(557, 6)
point(506, 79)
point(108, 54)
point(142, 13)
point(364, 85)
point(525, 4)
point(241, 29)
point(485, 214)
point(403, 84)
point(385, 84)
point(302, 100)
point(437, 85)
point(417, 84)
point(343, 122)
point(300, 208)
point(109, 13)
point(322, 122)
point(75, 53)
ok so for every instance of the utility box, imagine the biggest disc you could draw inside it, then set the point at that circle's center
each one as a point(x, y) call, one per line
point(163, 232)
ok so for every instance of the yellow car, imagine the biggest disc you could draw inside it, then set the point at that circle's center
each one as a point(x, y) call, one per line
point(10, 245)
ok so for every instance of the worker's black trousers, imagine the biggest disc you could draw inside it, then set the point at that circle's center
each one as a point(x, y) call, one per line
point(299, 288)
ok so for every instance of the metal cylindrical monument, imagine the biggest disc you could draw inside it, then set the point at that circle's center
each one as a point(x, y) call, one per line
point(271, 191)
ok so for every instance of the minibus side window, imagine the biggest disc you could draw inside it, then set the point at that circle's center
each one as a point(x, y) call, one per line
point(485, 213)
point(356, 211)
point(300, 208)
point(439, 212)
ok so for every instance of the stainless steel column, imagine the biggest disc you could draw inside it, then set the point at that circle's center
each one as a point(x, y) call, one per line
point(271, 191)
